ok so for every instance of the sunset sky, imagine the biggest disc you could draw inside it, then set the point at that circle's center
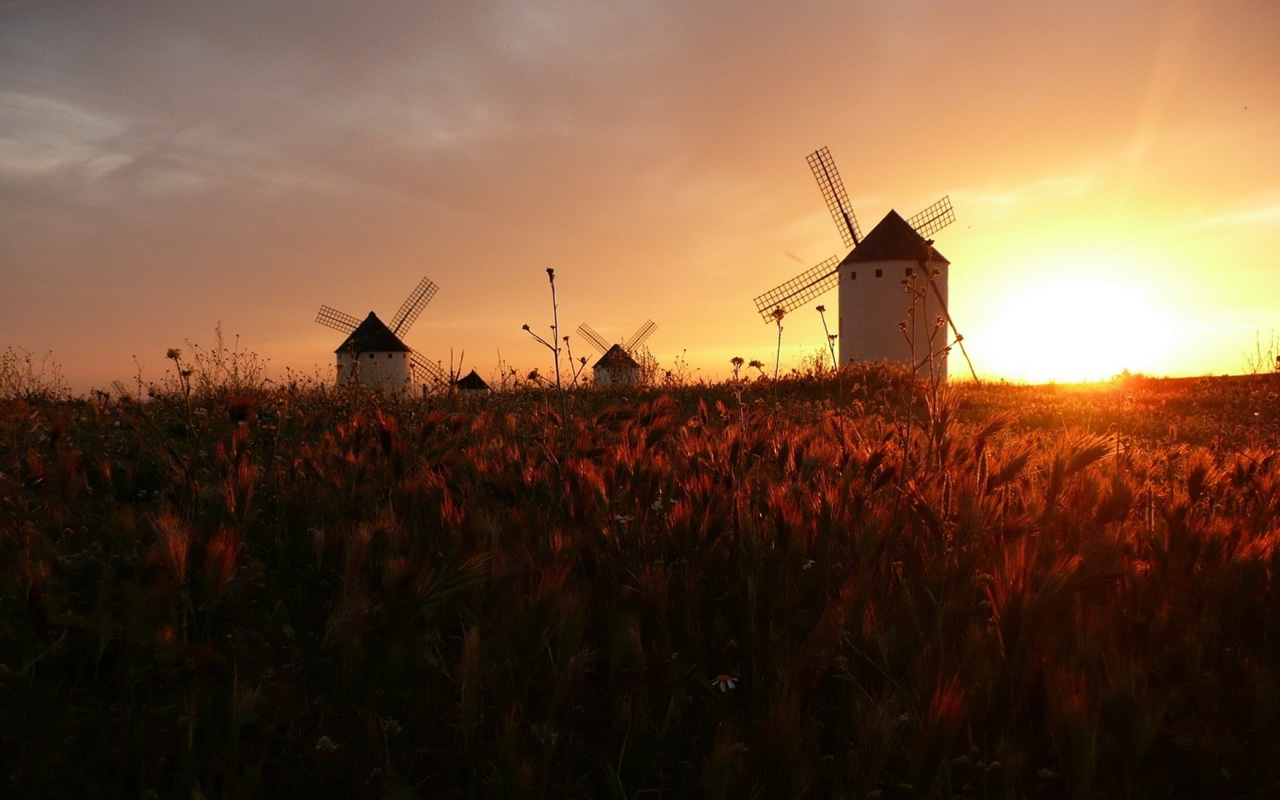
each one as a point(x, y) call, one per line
point(166, 167)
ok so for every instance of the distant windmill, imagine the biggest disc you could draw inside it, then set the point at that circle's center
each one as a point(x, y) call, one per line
point(373, 353)
point(872, 308)
point(617, 365)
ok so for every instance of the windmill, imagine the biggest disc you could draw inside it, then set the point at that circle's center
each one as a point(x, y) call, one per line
point(872, 309)
point(618, 364)
point(373, 352)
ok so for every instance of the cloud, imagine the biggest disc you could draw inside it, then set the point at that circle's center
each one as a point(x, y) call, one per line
point(997, 201)
point(1262, 210)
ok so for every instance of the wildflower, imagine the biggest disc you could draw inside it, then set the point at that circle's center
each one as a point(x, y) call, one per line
point(724, 682)
point(807, 565)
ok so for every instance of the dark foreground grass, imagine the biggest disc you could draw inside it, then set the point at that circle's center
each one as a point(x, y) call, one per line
point(1001, 592)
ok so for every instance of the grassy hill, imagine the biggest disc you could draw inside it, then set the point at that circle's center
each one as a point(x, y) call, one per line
point(820, 587)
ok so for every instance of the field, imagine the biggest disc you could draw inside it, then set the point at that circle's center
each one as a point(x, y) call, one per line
point(815, 587)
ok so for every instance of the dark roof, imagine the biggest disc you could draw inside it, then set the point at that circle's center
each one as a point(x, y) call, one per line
point(472, 382)
point(616, 358)
point(892, 240)
point(372, 336)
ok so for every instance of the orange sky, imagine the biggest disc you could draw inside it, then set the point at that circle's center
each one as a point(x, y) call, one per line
point(165, 167)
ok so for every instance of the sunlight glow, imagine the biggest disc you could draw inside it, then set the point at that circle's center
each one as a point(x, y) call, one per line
point(1080, 328)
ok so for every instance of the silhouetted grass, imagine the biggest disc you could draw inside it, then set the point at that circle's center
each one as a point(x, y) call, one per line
point(1000, 591)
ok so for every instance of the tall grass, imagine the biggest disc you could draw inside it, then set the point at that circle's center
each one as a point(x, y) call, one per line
point(987, 592)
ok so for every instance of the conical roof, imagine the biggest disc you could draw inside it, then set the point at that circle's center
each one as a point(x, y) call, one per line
point(472, 382)
point(372, 336)
point(892, 240)
point(616, 358)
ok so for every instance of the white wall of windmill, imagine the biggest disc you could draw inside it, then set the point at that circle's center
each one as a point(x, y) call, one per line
point(872, 307)
point(617, 375)
point(387, 372)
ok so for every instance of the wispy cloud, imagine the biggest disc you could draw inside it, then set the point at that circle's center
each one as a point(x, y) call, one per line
point(41, 135)
point(1262, 210)
point(1001, 200)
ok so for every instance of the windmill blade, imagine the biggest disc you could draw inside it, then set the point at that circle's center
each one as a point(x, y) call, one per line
point(641, 336)
point(824, 171)
point(934, 218)
point(597, 341)
point(959, 341)
point(799, 290)
point(412, 306)
point(337, 320)
point(426, 371)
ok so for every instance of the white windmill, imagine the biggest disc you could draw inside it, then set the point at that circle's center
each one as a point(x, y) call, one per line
point(618, 365)
point(374, 354)
point(871, 277)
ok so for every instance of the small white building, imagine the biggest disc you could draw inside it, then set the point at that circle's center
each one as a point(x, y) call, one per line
point(874, 301)
point(472, 384)
point(374, 356)
point(616, 368)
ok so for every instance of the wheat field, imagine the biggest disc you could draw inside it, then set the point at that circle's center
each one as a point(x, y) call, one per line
point(852, 586)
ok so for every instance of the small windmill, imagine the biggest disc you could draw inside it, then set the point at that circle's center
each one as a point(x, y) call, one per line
point(617, 365)
point(373, 352)
point(871, 311)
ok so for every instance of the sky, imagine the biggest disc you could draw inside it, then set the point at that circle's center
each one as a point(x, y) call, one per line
point(167, 169)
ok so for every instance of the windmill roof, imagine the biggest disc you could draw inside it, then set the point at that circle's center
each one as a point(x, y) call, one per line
point(472, 382)
point(372, 336)
point(893, 239)
point(616, 358)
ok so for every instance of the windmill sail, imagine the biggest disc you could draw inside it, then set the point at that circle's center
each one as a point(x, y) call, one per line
point(603, 345)
point(600, 343)
point(799, 290)
point(828, 178)
point(412, 306)
point(426, 371)
point(934, 218)
point(339, 321)
point(641, 336)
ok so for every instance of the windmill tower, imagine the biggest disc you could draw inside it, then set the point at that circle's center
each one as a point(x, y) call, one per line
point(374, 354)
point(617, 365)
point(872, 298)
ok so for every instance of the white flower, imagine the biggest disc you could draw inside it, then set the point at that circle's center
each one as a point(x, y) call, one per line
point(724, 682)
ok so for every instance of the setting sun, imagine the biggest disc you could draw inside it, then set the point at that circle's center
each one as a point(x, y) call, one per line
point(1079, 327)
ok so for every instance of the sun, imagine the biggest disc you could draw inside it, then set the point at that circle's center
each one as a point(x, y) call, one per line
point(1081, 327)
